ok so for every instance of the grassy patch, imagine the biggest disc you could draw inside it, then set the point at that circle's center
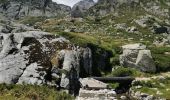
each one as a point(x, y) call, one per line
point(113, 85)
point(161, 59)
point(153, 86)
point(32, 20)
point(31, 92)
point(78, 38)
point(122, 72)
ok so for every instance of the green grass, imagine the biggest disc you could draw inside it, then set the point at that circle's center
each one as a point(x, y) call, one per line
point(161, 59)
point(78, 38)
point(151, 87)
point(31, 92)
point(32, 20)
point(113, 85)
point(123, 72)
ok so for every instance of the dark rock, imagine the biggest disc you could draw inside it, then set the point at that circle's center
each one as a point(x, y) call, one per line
point(7, 29)
point(160, 29)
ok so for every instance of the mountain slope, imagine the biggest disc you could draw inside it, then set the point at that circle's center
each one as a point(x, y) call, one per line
point(81, 7)
point(21, 8)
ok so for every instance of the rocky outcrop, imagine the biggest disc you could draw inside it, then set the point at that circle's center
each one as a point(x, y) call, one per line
point(26, 57)
point(11, 27)
point(157, 7)
point(20, 8)
point(104, 7)
point(136, 56)
point(81, 7)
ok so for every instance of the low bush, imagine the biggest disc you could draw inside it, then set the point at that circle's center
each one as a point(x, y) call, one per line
point(122, 72)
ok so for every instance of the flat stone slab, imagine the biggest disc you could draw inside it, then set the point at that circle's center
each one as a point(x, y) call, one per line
point(91, 83)
point(103, 94)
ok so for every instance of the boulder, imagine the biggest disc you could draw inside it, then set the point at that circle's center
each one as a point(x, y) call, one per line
point(136, 56)
point(142, 21)
point(25, 57)
point(145, 61)
point(159, 29)
point(121, 26)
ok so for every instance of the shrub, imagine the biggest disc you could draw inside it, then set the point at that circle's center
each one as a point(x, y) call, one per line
point(122, 72)
point(113, 85)
point(114, 60)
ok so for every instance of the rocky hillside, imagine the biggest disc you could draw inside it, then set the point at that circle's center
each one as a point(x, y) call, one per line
point(58, 46)
point(103, 7)
point(81, 7)
point(16, 9)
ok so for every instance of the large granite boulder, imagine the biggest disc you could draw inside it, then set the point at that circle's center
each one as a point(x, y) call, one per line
point(25, 57)
point(145, 61)
point(136, 56)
